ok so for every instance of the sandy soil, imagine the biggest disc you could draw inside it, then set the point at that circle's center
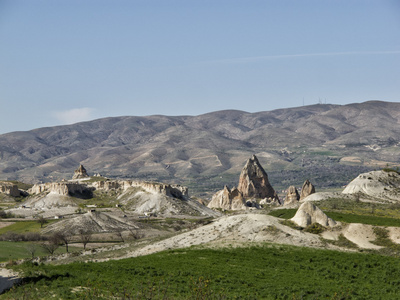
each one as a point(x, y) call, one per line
point(7, 279)
point(361, 234)
point(46, 213)
point(235, 229)
point(5, 224)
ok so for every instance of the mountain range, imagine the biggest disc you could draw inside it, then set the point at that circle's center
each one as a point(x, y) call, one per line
point(328, 144)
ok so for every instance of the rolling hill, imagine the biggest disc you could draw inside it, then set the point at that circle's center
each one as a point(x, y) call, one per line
point(329, 144)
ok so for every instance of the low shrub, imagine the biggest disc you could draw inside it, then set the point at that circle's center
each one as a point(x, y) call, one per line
point(22, 237)
point(291, 224)
point(315, 228)
point(342, 241)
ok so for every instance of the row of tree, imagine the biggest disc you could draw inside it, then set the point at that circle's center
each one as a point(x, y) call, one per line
point(52, 242)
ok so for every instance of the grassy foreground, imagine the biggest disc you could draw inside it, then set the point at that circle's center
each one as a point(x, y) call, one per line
point(257, 272)
point(25, 226)
point(17, 250)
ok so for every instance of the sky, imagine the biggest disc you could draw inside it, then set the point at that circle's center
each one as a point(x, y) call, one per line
point(67, 61)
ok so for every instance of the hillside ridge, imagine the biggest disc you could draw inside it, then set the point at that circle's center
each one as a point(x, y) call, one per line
point(318, 138)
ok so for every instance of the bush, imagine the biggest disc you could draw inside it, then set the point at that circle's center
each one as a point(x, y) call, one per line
point(22, 237)
point(389, 170)
point(315, 228)
point(342, 241)
point(291, 224)
point(6, 215)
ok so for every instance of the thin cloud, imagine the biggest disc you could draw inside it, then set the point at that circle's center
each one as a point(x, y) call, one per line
point(75, 115)
point(273, 57)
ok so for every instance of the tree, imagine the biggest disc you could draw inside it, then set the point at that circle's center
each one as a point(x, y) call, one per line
point(64, 237)
point(31, 248)
point(84, 237)
point(52, 244)
point(41, 220)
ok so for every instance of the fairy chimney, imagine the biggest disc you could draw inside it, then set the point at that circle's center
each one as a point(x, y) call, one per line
point(80, 173)
point(307, 189)
point(253, 181)
point(292, 195)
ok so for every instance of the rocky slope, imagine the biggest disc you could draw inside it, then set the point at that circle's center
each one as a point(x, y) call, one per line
point(321, 140)
point(139, 197)
point(94, 222)
point(383, 185)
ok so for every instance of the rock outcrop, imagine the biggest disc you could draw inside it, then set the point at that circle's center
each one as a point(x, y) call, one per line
point(60, 188)
point(270, 202)
point(307, 189)
point(308, 214)
point(228, 199)
point(9, 189)
point(171, 190)
point(80, 173)
point(253, 181)
point(253, 184)
point(292, 196)
point(376, 184)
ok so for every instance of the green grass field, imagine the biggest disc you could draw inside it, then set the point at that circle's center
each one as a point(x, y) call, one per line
point(18, 250)
point(24, 226)
point(259, 272)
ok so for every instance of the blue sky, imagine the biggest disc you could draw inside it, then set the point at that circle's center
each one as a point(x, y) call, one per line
point(64, 61)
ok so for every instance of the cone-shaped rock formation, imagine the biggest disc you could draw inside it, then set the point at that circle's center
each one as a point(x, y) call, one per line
point(228, 199)
point(253, 181)
point(307, 189)
point(80, 173)
point(308, 213)
point(292, 195)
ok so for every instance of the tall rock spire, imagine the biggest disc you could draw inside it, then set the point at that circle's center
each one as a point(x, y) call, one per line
point(253, 181)
point(307, 189)
point(80, 173)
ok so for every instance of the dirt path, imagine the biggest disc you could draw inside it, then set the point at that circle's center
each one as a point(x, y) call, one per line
point(5, 224)
point(7, 279)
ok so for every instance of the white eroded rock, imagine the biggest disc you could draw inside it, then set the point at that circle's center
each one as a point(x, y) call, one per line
point(307, 189)
point(378, 184)
point(228, 199)
point(308, 213)
point(9, 189)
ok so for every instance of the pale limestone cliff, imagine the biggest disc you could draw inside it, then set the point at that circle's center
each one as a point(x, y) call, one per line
point(176, 191)
point(59, 188)
point(9, 189)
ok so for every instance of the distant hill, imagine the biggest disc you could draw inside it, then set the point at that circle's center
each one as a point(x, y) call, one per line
point(329, 144)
